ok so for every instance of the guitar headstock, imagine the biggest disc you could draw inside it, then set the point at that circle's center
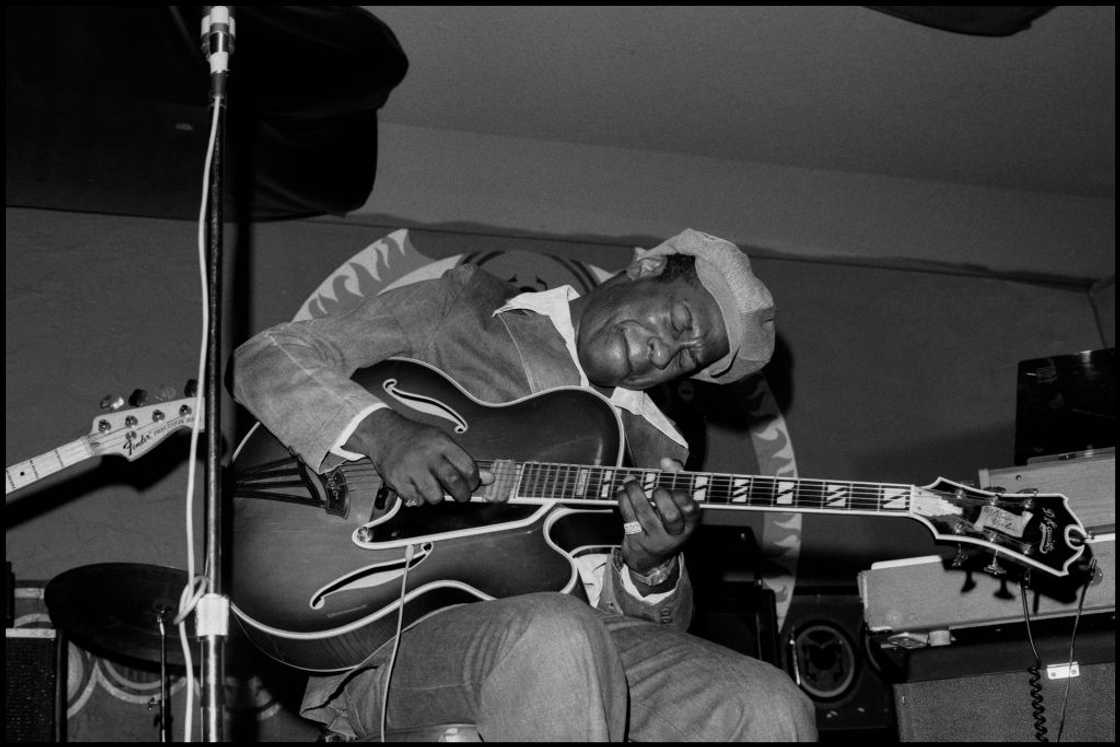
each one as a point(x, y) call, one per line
point(1031, 529)
point(134, 432)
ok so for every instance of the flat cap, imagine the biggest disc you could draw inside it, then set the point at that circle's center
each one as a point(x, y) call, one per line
point(743, 299)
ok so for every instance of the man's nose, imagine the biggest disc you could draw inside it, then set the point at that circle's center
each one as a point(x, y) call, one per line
point(660, 352)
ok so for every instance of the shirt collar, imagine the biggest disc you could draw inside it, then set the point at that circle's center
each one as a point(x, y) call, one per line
point(554, 304)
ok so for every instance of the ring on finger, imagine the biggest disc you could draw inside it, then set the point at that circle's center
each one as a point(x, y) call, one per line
point(632, 527)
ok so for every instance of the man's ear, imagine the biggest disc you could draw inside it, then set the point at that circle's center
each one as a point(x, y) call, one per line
point(644, 267)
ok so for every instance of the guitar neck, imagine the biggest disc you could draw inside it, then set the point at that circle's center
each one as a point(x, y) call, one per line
point(22, 474)
point(535, 482)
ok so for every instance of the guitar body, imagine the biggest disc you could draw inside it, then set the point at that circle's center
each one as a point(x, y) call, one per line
point(318, 561)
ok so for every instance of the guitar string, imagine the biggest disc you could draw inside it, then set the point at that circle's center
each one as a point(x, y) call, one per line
point(80, 448)
point(724, 486)
point(860, 495)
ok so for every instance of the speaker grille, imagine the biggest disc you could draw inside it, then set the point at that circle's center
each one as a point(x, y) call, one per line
point(31, 682)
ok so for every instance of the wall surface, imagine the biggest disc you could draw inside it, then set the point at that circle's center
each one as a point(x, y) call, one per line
point(427, 176)
point(883, 374)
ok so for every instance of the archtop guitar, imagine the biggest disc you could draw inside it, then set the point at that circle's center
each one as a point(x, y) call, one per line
point(319, 560)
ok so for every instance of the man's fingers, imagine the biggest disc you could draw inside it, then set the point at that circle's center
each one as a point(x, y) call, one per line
point(429, 488)
point(671, 465)
point(461, 462)
point(635, 506)
point(672, 517)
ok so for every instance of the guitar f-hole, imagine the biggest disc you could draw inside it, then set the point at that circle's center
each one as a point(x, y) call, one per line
point(372, 576)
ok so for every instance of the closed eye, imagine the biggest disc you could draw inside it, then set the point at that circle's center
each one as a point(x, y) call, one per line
point(682, 319)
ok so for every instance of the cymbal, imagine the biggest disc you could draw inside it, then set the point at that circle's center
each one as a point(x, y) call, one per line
point(115, 608)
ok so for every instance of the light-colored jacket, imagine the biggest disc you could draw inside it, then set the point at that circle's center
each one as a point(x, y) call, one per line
point(295, 378)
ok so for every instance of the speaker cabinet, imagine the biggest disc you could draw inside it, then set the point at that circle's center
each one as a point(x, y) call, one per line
point(823, 649)
point(743, 617)
point(34, 686)
point(732, 606)
point(998, 707)
point(980, 688)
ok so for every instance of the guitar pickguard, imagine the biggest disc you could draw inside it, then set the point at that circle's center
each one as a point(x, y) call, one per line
point(447, 519)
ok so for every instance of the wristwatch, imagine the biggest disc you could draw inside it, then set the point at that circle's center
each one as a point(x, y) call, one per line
point(659, 574)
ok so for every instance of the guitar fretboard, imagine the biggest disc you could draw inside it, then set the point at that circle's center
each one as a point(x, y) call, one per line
point(24, 473)
point(536, 481)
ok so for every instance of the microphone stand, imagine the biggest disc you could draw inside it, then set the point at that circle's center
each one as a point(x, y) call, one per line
point(212, 613)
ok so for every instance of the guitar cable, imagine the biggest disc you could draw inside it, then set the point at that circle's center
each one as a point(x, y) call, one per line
point(409, 551)
point(1038, 708)
point(196, 586)
point(1034, 679)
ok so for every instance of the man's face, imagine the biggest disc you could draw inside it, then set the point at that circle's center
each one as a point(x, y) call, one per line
point(640, 332)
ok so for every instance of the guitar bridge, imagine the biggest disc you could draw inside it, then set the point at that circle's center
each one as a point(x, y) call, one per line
point(335, 495)
point(288, 480)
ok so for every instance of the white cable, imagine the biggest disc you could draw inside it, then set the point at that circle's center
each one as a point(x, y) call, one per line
point(408, 552)
point(196, 586)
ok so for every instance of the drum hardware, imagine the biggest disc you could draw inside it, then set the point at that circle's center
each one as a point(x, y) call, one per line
point(122, 610)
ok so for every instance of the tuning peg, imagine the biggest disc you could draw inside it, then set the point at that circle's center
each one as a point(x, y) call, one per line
point(994, 568)
point(165, 393)
point(959, 558)
point(112, 402)
point(996, 492)
point(138, 398)
point(191, 389)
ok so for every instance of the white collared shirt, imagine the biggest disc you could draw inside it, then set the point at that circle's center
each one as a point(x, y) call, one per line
point(555, 304)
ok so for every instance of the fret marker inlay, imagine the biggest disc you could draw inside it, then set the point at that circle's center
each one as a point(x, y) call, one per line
point(895, 497)
point(784, 496)
point(700, 488)
point(837, 495)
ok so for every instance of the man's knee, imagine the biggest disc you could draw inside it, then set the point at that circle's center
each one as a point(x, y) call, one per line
point(553, 622)
point(795, 714)
point(757, 701)
point(780, 710)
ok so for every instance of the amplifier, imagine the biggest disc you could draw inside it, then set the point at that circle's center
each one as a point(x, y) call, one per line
point(919, 602)
point(998, 707)
point(1088, 480)
point(730, 608)
point(985, 686)
point(34, 686)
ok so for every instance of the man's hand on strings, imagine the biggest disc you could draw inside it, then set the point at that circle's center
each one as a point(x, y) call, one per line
point(666, 518)
point(418, 462)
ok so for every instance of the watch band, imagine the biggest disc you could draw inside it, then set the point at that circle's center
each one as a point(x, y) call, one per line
point(659, 574)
